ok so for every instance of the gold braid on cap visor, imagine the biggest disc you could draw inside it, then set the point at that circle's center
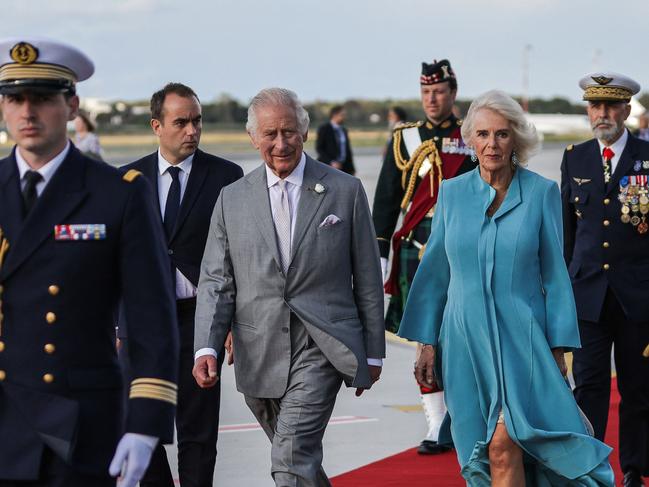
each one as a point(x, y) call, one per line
point(607, 93)
point(35, 71)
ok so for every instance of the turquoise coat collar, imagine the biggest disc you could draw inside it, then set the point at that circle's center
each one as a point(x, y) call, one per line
point(487, 194)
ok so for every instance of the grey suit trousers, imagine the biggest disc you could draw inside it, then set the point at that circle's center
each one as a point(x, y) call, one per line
point(295, 423)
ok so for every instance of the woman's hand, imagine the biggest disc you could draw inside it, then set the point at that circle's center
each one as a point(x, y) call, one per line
point(560, 360)
point(424, 366)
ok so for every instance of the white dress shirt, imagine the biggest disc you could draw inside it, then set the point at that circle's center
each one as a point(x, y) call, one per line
point(293, 186)
point(184, 288)
point(46, 171)
point(342, 141)
point(617, 148)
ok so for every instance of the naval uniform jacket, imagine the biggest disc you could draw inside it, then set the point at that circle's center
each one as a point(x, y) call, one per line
point(601, 251)
point(390, 189)
point(61, 384)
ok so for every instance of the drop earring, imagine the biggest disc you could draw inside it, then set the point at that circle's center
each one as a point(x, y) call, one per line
point(515, 160)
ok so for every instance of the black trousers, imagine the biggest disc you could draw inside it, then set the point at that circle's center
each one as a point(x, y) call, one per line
point(592, 371)
point(197, 418)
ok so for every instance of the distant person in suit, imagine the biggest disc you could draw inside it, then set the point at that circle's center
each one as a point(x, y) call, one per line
point(85, 137)
point(187, 182)
point(333, 145)
point(605, 192)
point(396, 116)
point(76, 236)
point(292, 267)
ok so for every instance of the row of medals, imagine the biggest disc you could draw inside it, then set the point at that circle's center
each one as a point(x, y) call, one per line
point(634, 196)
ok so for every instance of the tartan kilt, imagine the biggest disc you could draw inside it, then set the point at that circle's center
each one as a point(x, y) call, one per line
point(409, 261)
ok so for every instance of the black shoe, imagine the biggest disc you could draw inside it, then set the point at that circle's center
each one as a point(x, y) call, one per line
point(632, 479)
point(428, 447)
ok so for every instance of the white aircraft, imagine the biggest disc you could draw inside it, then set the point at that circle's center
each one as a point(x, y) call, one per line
point(560, 124)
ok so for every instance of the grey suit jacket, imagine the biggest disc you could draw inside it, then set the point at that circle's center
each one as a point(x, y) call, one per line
point(333, 283)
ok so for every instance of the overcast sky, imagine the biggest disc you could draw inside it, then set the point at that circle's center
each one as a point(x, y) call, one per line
point(340, 49)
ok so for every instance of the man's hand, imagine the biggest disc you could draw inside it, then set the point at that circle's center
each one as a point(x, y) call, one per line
point(559, 358)
point(375, 374)
point(132, 458)
point(424, 366)
point(229, 347)
point(204, 371)
point(384, 268)
point(336, 165)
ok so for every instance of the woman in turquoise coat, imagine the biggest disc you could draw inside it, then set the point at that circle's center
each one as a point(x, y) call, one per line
point(493, 302)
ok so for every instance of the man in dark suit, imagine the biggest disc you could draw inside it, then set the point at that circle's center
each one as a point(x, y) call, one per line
point(187, 182)
point(76, 236)
point(605, 204)
point(333, 145)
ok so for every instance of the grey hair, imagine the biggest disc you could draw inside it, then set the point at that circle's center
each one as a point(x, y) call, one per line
point(277, 97)
point(526, 140)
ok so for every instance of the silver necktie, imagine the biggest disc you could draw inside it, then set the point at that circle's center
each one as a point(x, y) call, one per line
point(283, 226)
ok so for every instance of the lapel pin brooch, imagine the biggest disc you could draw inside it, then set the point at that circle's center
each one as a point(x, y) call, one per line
point(319, 188)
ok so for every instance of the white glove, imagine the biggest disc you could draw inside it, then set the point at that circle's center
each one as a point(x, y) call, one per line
point(132, 458)
point(384, 268)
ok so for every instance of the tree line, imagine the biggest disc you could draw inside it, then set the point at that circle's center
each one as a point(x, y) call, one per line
point(228, 113)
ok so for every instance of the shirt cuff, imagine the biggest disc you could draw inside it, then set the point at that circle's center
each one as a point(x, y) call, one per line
point(377, 362)
point(205, 351)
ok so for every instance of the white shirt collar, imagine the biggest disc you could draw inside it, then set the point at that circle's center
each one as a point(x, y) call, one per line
point(185, 166)
point(618, 146)
point(48, 169)
point(296, 177)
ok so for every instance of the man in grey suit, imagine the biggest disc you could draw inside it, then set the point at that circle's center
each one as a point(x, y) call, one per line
point(291, 265)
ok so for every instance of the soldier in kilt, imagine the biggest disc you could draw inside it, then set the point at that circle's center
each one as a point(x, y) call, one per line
point(419, 157)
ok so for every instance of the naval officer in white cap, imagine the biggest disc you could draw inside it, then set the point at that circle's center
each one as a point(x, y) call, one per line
point(76, 237)
point(606, 238)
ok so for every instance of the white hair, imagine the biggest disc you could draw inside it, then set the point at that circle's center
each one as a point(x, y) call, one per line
point(526, 140)
point(277, 97)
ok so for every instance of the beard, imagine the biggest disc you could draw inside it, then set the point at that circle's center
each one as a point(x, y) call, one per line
point(606, 134)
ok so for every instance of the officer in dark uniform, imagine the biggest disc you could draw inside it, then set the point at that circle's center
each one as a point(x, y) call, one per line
point(76, 237)
point(419, 156)
point(605, 197)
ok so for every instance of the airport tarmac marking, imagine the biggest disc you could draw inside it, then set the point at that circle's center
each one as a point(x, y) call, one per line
point(407, 408)
point(233, 428)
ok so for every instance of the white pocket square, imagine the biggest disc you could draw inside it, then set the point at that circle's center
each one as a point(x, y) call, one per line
point(329, 221)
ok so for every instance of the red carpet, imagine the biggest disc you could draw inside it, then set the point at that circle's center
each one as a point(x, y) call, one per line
point(409, 468)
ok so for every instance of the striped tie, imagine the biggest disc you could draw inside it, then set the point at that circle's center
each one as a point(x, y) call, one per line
point(282, 219)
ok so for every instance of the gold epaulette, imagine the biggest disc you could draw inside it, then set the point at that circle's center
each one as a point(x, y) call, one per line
point(152, 388)
point(406, 125)
point(131, 175)
point(570, 147)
